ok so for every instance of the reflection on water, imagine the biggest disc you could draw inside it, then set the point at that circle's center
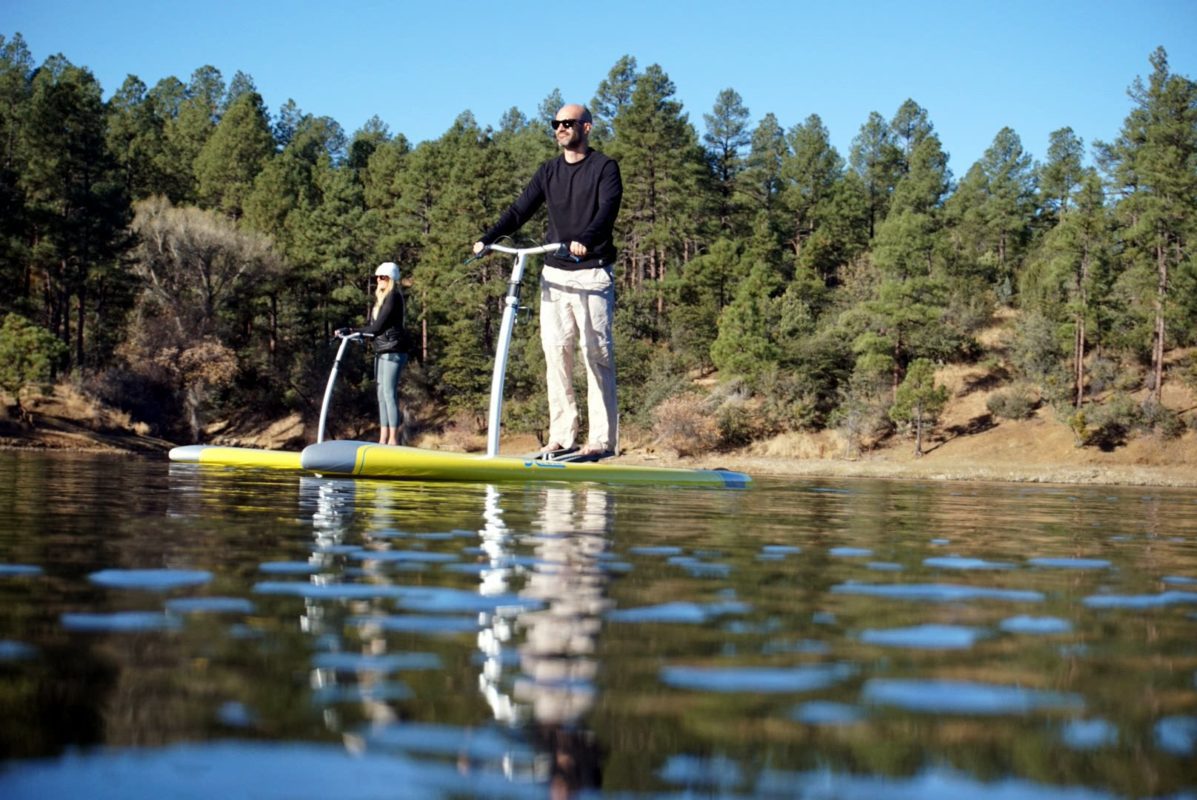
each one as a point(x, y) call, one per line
point(299, 636)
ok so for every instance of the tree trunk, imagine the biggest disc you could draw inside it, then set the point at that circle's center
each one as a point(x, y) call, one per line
point(62, 310)
point(79, 324)
point(423, 328)
point(1079, 347)
point(273, 345)
point(918, 430)
point(1078, 355)
point(1157, 348)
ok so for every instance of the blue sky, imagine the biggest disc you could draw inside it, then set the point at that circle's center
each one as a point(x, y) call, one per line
point(1032, 65)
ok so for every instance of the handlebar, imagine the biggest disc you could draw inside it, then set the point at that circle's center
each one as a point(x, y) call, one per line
point(558, 249)
point(526, 251)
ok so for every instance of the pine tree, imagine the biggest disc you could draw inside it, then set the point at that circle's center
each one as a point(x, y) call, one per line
point(613, 95)
point(75, 200)
point(175, 162)
point(136, 137)
point(698, 295)
point(919, 400)
point(910, 126)
point(1068, 278)
point(191, 121)
point(1010, 205)
point(989, 219)
point(1153, 166)
point(16, 68)
point(907, 241)
point(233, 156)
point(662, 167)
point(1061, 175)
point(28, 354)
point(809, 173)
point(761, 180)
point(725, 139)
point(745, 346)
point(878, 161)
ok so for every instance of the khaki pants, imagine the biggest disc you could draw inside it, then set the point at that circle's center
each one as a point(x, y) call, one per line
point(577, 308)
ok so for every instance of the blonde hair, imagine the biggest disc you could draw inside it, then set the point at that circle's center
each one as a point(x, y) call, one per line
point(380, 293)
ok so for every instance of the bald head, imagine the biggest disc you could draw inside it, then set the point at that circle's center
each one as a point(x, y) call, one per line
point(571, 128)
point(575, 111)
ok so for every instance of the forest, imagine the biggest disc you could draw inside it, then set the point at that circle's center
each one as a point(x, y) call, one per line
point(183, 253)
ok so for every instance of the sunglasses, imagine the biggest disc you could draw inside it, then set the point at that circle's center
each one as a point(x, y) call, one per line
point(564, 123)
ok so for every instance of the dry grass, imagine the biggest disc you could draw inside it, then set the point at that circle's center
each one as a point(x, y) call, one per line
point(66, 400)
point(460, 434)
point(685, 425)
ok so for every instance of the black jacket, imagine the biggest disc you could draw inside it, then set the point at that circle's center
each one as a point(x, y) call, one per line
point(387, 326)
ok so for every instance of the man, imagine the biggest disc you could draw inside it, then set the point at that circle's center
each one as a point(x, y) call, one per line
point(582, 189)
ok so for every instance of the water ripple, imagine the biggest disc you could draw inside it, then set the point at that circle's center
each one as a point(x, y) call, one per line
point(1089, 734)
point(677, 612)
point(19, 570)
point(152, 580)
point(826, 712)
point(210, 605)
point(937, 592)
point(1070, 563)
point(119, 622)
point(1140, 601)
point(289, 567)
point(960, 562)
point(477, 743)
point(16, 651)
point(964, 697)
point(925, 637)
point(416, 623)
point(1177, 735)
point(329, 591)
point(806, 678)
point(1036, 625)
point(385, 663)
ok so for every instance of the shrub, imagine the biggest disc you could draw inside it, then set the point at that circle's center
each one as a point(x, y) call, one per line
point(1103, 374)
point(737, 424)
point(1112, 422)
point(1128, 379)
point(1186, 370)
point(27, 355)
point(148, 396)
point(1164, 421)
point(1014, 404)
point(685, 425)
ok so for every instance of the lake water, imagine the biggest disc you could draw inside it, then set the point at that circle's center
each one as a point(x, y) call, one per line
point(182, 631)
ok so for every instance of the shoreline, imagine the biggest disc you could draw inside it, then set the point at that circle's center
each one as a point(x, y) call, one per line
point(880, 466)
point(1161, 476)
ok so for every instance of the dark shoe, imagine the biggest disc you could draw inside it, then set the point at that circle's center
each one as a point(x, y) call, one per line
point(587, 454)
point(554, 452)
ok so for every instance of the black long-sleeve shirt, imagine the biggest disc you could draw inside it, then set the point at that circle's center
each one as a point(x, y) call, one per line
point(387, 326)
point(583, 200)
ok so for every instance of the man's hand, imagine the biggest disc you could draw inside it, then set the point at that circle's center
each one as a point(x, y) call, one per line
point(478, 247)
point(578, 249)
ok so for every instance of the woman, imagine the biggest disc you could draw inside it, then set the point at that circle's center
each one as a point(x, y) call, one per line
point(385, 324)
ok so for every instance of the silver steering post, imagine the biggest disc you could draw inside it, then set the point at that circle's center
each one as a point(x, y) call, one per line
point(332, 379)
point(511, 306)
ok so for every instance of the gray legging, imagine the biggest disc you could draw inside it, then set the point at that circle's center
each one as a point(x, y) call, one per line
point(387, 369)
